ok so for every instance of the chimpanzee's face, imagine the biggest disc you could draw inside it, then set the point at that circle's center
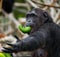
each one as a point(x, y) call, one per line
point(36, 18)
point(32, 19)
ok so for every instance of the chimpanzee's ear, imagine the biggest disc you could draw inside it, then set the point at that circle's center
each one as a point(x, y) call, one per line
point(45, 14)
point(45, 17)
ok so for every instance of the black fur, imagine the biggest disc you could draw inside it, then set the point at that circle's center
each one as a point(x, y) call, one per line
point(7, 5)
point(45, 34)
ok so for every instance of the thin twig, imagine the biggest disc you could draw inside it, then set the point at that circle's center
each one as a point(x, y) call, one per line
point(31, 3)
point(20, 4)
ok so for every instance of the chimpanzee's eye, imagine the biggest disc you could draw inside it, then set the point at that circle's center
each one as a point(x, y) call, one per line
point(27, 15)
point(45, 14)
point(31, 15)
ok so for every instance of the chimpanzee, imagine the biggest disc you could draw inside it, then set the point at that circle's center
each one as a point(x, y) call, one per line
point(39, 53)
point(45, 34)
point(7, 5)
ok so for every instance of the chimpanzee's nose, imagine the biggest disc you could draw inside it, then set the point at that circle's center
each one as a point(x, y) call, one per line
point(29, 21)
point(27, 24)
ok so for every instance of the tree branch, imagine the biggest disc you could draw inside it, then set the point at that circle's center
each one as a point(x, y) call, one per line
point(46, 4)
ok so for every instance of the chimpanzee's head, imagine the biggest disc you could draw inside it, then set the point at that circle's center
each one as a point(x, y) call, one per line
point(36, 17)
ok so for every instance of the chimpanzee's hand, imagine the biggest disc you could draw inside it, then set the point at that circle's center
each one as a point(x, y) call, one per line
point(14, 48)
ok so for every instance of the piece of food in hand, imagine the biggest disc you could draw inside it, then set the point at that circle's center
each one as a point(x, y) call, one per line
point(24, 29)
point(5, 55)
point(2, 55)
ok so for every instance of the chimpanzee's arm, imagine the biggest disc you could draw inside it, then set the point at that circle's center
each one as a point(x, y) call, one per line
point(33, 42)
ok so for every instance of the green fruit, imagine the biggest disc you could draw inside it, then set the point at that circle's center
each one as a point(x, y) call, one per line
point(24, 29)
point(2, 55)
point(5, 55)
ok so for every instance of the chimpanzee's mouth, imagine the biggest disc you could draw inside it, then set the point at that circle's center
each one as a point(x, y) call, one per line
point(27, 25)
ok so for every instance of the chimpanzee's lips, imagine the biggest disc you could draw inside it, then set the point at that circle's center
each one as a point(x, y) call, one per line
point(27, 25)
point(30, 25)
